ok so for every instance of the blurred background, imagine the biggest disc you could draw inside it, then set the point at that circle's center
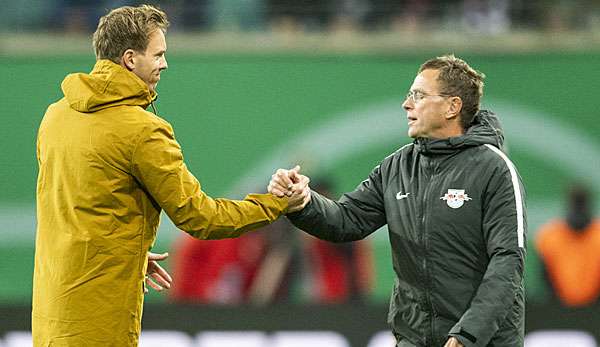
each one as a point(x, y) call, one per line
point(254, 85)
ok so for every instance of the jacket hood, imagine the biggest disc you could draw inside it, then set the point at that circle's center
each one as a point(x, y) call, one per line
point(108, 85)
point(485, 129)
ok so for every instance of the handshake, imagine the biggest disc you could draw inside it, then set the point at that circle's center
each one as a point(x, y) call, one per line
point(292, 184)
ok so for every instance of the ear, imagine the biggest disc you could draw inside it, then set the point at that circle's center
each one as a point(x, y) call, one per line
point(127, 59)
point(454, 108)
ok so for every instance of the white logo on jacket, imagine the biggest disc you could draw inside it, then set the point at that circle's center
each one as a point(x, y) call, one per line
point(401, 196)
point(455, 198)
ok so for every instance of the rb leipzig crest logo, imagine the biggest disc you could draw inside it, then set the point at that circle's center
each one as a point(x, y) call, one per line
point(455, 198)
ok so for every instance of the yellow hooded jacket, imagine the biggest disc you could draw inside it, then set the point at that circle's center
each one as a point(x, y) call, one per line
point(107, 168)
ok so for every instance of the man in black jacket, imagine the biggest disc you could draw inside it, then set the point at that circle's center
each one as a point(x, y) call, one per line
point(454, 206)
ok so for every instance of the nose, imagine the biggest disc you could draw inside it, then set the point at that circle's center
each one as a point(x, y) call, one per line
point(407, 104)
point(164, 65)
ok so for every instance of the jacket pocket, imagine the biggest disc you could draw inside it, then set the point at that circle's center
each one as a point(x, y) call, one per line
point(406, 313)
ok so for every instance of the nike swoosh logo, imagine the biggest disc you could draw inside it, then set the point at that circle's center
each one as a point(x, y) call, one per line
point(401, 196)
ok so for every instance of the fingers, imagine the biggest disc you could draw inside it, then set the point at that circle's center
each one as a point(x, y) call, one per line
point(152, 284)
point(282, 181)
point(306, 198)
point(284, 178)
point(157, 277)
point(161, 280)
point(301, 195)
point(156, 256)
point(161, 275)
point(453, 342)
point(294, 174)
point(277, 188)
point(300, 185)
point(302, 181)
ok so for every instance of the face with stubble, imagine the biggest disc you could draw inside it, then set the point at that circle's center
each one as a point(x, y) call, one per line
point(149, 64)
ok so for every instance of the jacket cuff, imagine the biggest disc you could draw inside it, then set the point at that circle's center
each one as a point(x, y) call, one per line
point(282, 203)
point(275, 205)
point(467, 339)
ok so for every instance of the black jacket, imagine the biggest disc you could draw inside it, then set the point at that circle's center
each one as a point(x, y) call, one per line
point(455, 213)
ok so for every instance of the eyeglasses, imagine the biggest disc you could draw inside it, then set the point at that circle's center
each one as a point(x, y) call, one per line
point(417, 96)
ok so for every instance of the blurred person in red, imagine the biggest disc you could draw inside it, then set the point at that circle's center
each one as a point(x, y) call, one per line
point(338, 272)
point(271, 265)
point(227, 272)
point(261, 267)
point(570, 251)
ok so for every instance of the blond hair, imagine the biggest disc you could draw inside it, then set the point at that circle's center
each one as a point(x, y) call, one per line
point(457, 78)
point(126, 28)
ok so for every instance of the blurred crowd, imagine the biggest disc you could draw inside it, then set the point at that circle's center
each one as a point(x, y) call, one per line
point(480, 16)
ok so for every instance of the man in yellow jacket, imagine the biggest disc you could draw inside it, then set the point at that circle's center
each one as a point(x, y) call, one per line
point(107, 168)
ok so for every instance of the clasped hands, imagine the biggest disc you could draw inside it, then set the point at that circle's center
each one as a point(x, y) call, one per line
point(288, 183)
point(292, 184)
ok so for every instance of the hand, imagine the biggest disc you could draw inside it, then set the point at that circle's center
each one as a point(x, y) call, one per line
point(292, 184)
point(453, 342)
point(300, 194)
point(281, 183)
point(157, 277)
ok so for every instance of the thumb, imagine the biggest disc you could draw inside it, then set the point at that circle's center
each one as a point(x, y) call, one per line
point(293, 173)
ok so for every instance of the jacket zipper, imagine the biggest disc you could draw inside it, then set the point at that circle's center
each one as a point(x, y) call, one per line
point(428, 302)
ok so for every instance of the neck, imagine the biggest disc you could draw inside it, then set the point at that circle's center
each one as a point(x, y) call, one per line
point(448, 132)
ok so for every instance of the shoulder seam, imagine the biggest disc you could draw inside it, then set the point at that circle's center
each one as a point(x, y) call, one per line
point(398, 151)
point(517, 193)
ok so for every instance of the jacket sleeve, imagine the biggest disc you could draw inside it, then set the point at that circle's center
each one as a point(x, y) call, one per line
point(356, 215)
point(504, 225)
point(157, 164)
